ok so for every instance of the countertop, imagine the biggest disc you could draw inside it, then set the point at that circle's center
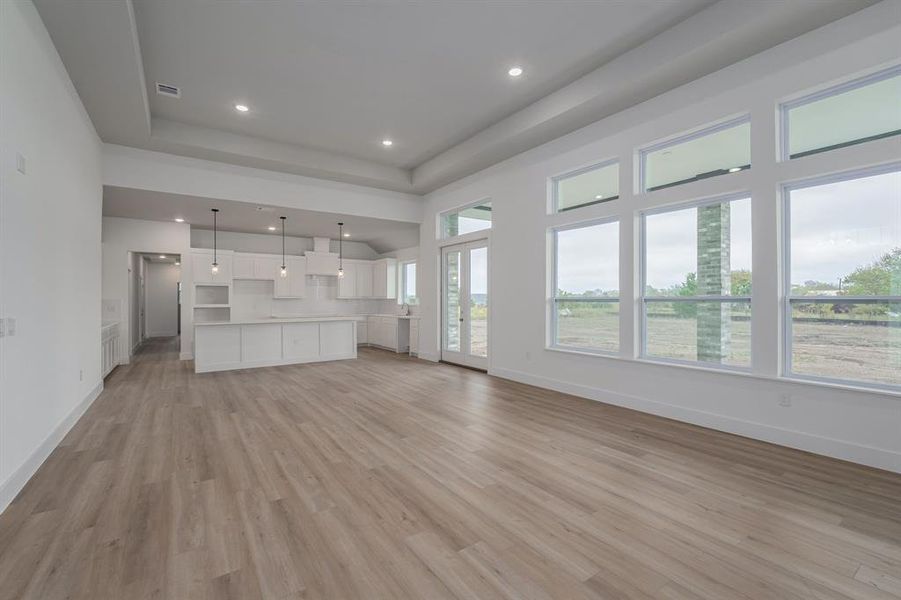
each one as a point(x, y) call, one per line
point(277, 320)
point(304, 319)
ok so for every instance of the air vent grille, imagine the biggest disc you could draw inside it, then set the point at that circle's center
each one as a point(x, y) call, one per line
point(168, 90)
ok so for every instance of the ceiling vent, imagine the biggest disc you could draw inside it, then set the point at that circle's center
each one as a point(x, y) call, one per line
point(168, 90)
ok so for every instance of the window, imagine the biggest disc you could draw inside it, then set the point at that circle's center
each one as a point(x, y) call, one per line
point(408, 283)
point(697, 283)
point(844, 278)
point(586, 287)
point(466, 220)
point(599, 183)
point(719, 150)
point(862, 110)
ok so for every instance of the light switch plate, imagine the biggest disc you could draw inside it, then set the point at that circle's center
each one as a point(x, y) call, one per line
point(11, 327)
point(20, 163)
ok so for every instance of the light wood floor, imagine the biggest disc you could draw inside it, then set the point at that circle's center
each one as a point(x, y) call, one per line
point(388, 477)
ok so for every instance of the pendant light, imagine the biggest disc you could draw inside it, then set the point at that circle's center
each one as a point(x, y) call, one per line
point(284, 270)
point(215, 268)
point(340, 250)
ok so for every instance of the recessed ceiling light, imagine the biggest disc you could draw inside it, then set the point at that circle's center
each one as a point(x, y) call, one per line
point(271, 228)
point(178, 263)
point(735, 169)
point(598, 197)
point(387, 143)
point(163, 256)
point(241, 107)
point(179, 220)
point(346, 235)
point(515, 71)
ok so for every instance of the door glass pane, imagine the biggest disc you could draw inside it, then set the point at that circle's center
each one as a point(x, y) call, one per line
point(452, 302)
point(478, 302)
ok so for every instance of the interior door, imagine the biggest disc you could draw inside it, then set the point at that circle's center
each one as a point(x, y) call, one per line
point(464, 305)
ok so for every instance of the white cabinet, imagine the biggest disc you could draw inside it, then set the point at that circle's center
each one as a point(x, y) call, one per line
point(202, 267)
point(388, 332)
point(414, 336)
point(384, 278)
point(347, 285)
point(321, 263)
point(295, 284)
point(256, 266)
point(364, 279)
point(243, 266)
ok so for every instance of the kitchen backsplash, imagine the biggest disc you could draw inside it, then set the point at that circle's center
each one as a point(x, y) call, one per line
point(253, 299)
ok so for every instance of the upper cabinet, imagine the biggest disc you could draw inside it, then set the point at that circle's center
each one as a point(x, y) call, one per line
point(256, 266)
point(347, 285)
point(384, 278)
point(368, 279)
point(202, 267)
point(294, 285)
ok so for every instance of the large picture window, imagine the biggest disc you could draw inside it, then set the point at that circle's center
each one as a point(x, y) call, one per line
point(697, 283)
point(843, 277)
point(586, 287)
point(858, 111)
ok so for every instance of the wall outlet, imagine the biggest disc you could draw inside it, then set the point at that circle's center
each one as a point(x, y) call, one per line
point(785, 400)
point(80, 375)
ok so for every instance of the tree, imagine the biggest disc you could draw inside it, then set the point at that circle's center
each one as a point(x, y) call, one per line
point(741, 283)
point(881, 278)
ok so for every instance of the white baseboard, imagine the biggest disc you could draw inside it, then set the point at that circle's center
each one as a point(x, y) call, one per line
point(185, 356)
point(856, 453)
point(14, 484)
point(429, 356)
point(159, 334)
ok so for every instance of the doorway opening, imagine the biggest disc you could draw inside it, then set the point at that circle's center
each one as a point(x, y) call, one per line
point(154, 297)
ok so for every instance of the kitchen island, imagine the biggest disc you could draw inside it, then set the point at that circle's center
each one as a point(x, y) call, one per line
point(244, 344)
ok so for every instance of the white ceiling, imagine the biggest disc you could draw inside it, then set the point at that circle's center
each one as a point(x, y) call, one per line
point(326, 81)
point(342, 76)
point(380, 234)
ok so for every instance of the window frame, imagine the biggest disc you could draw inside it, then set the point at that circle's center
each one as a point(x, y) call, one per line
point(821, 94)
point(704, 131)
point(553, 299)
point(402, 272)
point(556, 179)
point(458, 209)
point(644, 299)
point(788, 298)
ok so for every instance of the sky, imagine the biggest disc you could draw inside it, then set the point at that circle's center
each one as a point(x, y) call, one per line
point(835, 228)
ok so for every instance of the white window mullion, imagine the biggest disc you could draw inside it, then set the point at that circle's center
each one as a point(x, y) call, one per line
point(766, 242)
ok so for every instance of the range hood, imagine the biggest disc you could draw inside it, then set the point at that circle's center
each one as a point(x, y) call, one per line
point(320, 261)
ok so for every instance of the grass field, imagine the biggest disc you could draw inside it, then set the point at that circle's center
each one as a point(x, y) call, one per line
point(837, 350)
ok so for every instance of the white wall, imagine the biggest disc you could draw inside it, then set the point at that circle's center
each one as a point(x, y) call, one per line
point(121, 236)
point(161, 295)
point(861, 426)
point(49, 249)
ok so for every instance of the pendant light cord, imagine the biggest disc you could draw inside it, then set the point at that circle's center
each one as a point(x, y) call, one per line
point(283, 241)
point(215, 227)
point(340, 246)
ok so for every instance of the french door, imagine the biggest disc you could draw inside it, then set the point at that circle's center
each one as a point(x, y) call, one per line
point(464, 304)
